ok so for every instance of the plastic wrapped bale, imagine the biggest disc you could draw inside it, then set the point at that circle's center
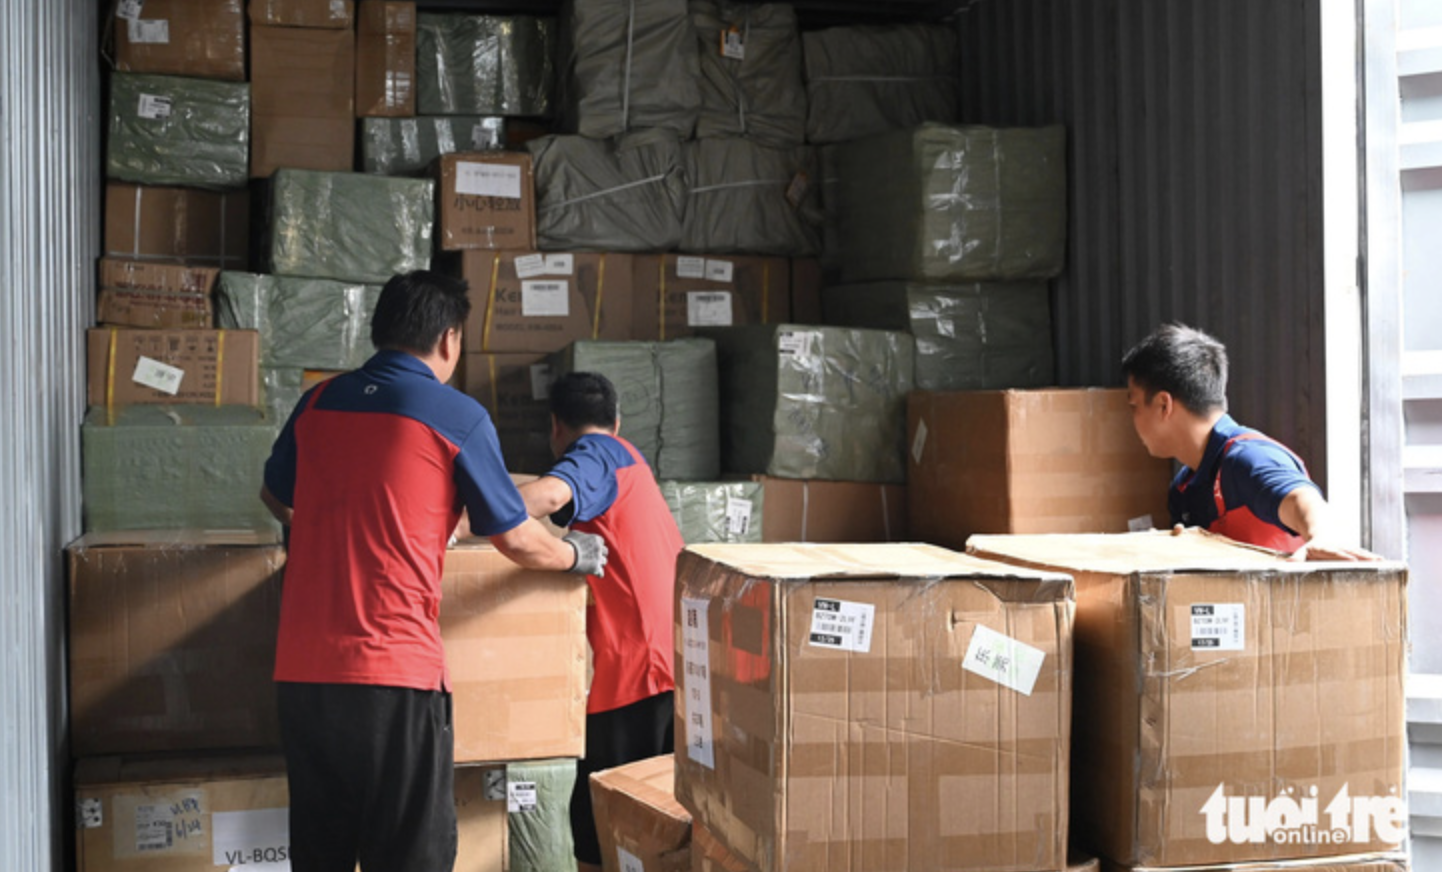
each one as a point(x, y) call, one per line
point(749, 199)
point(349, 226)
point(626, 194)
point(983, 336)
point(668, 399)
point(305, 323)
point(814, 402)
point(627, 65)
point(173, 467)
point(716, 511)
point(169, 130)
point(750, 72)
point(484, 64)
point(283, 387)
point(538, 794)
point(953, 204)
point(866, 80)
point(830, 201)
point(407, 146)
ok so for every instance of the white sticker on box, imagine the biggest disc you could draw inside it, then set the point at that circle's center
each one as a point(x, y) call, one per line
point(691, 267)
point(540, 381)
point(161, 376)
point(732, 46)
point(918, 442)
point(560, 264)
point(719, 270)
point(155, 31)
point(1140, 524)
point(530, 266)
point(488, 180)
point(337, 9)
point(1219, 627)
point(521, 797)
point(153, 831)
point(797, 343)
point(629, 862)
point(154, 107)
point(493, 784)
point(129, 9)
point(738, 516)
point(89, 813)
point(548, 299)
point(696, 658)
point(1003, 659)
point(250, 838)
point(708, 308)
point(842, 625)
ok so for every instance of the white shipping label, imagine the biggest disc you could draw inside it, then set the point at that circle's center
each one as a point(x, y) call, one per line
point(738, 516)
point(1140, 524)
point(250, 838)
point(708, 308)
point(129, 9)
point(493, 784)
point(485, 135)
point(918, 442)
point(691, 267)
point(842, 625)
point(521, 797)
point(1219, 627)
point(719, 270)
point(629, 862)
point(540, 381)
point(550, 299)
point(488, 180)
point(560, 264)
point(153, 829)
point(154, 107)
point(696, 657)
point(172, 823)
point(797, 343)
point(161, 376)
point(154, 31)
point(1003, 659)
point(530, 265)
point(732, 46)
point(89, 814)
point(337, 9)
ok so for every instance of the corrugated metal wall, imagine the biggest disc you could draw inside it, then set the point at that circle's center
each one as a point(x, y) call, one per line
point(1196, 181)
point(49, 197)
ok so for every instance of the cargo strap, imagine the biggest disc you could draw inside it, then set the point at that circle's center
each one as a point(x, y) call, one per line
point(495, 394)
point(600, 289)
point(491, 302)
point(661, 305)
point(219, 364)
point(626, 85)
point(766, 292)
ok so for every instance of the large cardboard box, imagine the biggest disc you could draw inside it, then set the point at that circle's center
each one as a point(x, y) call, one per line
point(528, 301)
point(709, 855)
point(487, 200)
point(481, 819)
point(172, 641)
point(214, 367)
point(849, 707)
point(1036, 461)
point(514, 388)
point(155, 295)
point(302, 99)
point(801, 510)
point(674, 294)
point(200, 38)
point(180, 225)
point(638, 820)
point(806, 283)
point(1221, 684)
point(385, 59)
point(516, 650)
point(303, 13)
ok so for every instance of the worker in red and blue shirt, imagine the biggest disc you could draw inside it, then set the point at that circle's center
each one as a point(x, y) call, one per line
point(370, 474)
point(1234, 480)
point(601, 484)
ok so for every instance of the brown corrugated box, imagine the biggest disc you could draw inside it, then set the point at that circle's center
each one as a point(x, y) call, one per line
point(218, 367)
point(154, 295)
point(541, 302)
point(481, 820)
point(1205, 666)
point(180, 225)
point(676, 293)
point(172, 641)
point(806, 283)
point(516, 649)
point(486, 200)
point(1028, 461)
point(385, 59)
point(709, 855)
point(800, 510)
point(513, 388)
point(302, 99)
point(638, 819)
point(303, 13)
point(848, 707)
point(1360, 863)
point(201, 38)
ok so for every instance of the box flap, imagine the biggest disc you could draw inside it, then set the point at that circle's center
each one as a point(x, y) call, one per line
point(860, 561)
point(175, 539)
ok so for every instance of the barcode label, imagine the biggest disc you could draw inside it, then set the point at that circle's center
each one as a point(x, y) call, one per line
point(708, 308)
point(691, 267)
point(545, 299)
point(696, 657)
point(153, 107)
point(797, 343)
point(842, 625)
point(732, 45)
point(521, 797)
point(738, 516)
point(153, 831)
point(1219, 627)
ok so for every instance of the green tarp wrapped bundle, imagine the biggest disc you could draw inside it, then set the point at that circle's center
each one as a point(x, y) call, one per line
point(753, 87)
point(303, 323)
point(349, 226)
point(814, 402)
point(866, 80)
point(171, 467)
point(749, 199)
point(627, 65)
point(626, 194)
point(283, 388)
point(668, 399)
point(485, 64)
point(981, 336)
point(170, 130)
point(538, 795)
point(407, 146)
point(953, 204)
point(716, 511)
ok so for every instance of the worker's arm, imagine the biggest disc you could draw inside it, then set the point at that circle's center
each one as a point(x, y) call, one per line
point(545, 496)
point(1307, 513)
point(282, 512)
point(531, 545)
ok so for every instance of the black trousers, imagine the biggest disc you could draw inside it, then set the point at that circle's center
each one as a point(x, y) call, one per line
point(372, 775)
point(634, 732)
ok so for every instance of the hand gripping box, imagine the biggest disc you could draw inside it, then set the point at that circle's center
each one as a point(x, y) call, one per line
point(889, 706)
point(1239, 707)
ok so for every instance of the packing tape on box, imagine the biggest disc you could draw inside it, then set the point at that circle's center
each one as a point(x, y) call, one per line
point(1308, 761)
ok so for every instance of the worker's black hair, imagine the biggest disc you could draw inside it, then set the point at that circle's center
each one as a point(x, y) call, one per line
point(416, 308)
point(1183, 361)
point(584, 399)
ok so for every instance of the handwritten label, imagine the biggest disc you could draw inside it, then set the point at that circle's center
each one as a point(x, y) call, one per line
point(488, 180)
point(842, 625)
point(696, 657)
point(1004, 660)
point(161, 376)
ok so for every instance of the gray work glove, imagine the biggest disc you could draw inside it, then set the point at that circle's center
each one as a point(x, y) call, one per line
point(590, 553)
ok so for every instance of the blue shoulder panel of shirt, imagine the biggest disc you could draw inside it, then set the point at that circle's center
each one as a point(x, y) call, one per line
point(590, 467)
point(1258, 474)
